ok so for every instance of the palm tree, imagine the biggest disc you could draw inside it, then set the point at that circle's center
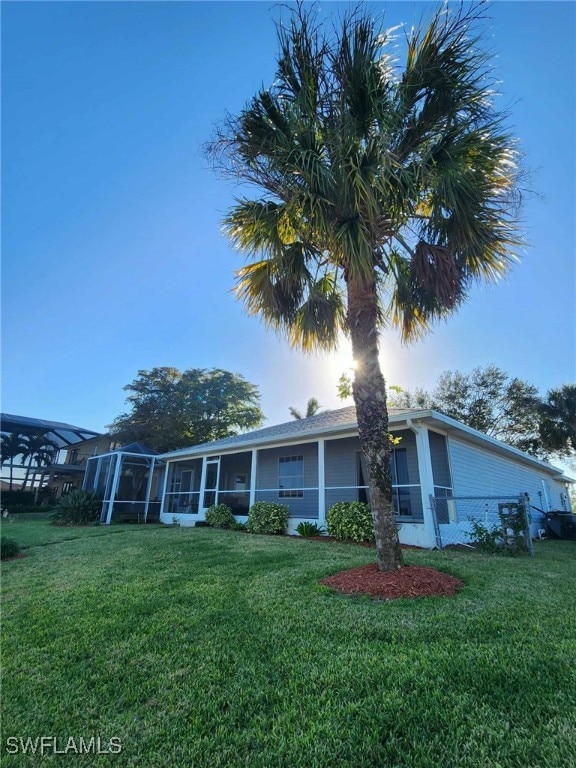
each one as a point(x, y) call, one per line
point(382, 195)
point(312, 408)
point(12, 445)
point(39, 450)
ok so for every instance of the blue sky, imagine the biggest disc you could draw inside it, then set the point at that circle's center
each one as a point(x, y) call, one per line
point(113, 258)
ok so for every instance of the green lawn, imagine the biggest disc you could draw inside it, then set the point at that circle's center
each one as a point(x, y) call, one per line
point(200, 648)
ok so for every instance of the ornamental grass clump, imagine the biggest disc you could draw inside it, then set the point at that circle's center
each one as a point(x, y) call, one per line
point(77, 508)
point(308, 530)
point(8, 548)
point(220, 516)
point(267, 517)
point(350, 521)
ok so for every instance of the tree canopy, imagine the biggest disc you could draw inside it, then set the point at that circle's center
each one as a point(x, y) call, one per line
point(382, 193)
point(505, 407)
point(558, 420)
point(170, 409)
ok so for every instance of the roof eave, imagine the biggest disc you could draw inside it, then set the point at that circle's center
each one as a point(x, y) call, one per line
point(451, 425)
point(432, 418)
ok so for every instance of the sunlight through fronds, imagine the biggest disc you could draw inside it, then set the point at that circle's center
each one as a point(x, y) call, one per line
point(404, 179)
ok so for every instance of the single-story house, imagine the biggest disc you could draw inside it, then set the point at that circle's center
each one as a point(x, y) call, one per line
point(444, 473)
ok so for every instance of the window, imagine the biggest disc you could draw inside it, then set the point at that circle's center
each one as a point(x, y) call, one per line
point(399, 471)
point(291, 477)
point(401, 496)
point(362, 473)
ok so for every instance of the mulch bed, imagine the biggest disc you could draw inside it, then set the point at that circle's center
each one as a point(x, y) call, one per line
point(409, 581)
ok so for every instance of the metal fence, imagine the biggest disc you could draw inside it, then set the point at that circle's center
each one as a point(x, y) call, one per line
point(454, 517)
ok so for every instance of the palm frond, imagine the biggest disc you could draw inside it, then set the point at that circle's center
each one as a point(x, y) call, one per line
point(402, 182)
point(320, 318)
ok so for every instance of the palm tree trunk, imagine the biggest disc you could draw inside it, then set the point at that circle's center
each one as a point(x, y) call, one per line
point(28, 469)
point(369, 391)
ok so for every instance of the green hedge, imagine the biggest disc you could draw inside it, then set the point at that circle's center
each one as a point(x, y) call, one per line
point(267, 517)
point(350, 521)
point(22, 509)
point(220, 516)
point(18, 497)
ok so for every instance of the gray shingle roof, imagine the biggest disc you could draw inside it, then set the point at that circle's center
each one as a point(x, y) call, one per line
point(344, 419)
point(321, 422)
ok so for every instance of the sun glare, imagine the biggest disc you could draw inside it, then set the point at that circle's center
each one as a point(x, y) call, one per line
point(341, 362)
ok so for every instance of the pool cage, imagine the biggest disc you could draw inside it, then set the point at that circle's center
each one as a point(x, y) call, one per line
point(130, 481)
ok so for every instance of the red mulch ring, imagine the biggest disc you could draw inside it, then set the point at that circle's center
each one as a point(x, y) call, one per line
point(409, 581)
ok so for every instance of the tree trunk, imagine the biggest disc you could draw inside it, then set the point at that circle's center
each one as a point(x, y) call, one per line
point(369, 390)
point(27, 475)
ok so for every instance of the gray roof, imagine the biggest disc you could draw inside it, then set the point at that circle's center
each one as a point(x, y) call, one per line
point(322, 422)
point(344, 420)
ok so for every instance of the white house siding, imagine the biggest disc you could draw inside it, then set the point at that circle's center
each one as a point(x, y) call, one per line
point(476, 472)
point(267, 479)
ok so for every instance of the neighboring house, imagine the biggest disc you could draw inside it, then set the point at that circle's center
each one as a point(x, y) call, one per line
point(17, 469)
point(62, 477)
point(312, 463)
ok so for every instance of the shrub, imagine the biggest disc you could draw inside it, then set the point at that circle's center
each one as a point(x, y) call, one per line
point(77, 508)
point(307, 529)
point(492, 540)
point(267, 517)
point(8, 548)
point(351, 521)
point(18, 497)
point(20, 509)
point(220, 516)
point(486, 539)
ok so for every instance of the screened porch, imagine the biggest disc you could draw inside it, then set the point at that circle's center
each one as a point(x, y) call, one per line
point(130, 483)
